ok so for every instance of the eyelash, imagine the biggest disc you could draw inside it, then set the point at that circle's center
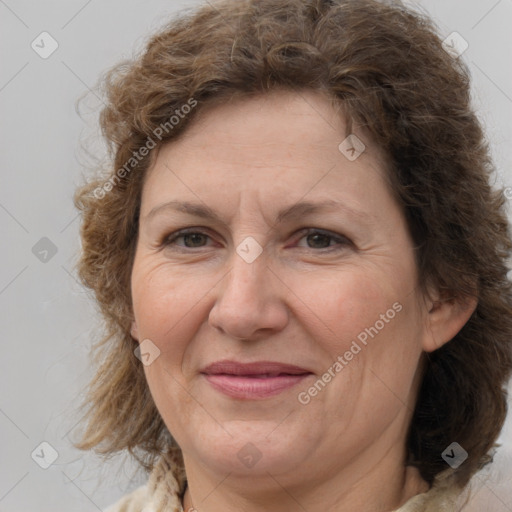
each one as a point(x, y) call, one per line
point(170, 239)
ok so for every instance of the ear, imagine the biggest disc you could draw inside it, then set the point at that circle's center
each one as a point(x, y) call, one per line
point(445, 318)
point(134, 331)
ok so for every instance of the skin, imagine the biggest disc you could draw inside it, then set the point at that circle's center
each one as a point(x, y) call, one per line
point(198, 301)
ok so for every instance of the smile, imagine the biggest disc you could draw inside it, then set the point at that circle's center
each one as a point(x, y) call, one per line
point(252, 381)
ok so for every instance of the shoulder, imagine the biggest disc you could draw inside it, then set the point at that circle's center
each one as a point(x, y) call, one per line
point(132, 502)
point(443, 496)
point(162, 491)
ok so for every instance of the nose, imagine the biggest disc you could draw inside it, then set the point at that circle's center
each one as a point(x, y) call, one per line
point(251, 301)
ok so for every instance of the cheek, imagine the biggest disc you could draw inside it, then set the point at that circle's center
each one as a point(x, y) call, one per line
point(172, 399)
point(346, 307)
point(162, 298)
point(165, 309)
point(370, 336)
point(370, 320)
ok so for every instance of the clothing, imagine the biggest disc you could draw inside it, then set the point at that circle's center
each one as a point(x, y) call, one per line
point(167, 483)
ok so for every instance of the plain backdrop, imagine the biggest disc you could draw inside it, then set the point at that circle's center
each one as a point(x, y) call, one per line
point(48, 320)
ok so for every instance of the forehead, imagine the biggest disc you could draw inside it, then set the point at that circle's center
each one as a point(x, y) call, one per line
point(286, 137)
point(298, 119)
point(256, 163)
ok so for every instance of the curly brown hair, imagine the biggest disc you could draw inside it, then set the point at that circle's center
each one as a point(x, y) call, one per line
point(386, 66)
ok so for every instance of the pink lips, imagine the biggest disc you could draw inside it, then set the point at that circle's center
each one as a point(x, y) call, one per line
point(253, 380)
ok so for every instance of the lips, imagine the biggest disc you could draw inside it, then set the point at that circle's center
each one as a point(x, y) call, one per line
point(256, 380)
point(257, 369)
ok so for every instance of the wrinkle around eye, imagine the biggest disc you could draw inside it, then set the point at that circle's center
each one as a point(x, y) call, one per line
point(337, 242)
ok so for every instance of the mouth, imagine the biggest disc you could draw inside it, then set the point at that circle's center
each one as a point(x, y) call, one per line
point(250, 381)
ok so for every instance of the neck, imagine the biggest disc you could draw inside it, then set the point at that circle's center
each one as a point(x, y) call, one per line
point(383, 489)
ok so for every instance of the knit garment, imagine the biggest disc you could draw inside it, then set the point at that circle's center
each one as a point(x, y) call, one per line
point(167, 482)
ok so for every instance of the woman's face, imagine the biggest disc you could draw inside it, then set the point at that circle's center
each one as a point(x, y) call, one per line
point(336, 308)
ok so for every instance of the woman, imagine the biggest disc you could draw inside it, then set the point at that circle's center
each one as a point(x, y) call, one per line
point(301, 264)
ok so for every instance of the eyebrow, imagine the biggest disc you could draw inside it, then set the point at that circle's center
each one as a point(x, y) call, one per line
point(292, 212)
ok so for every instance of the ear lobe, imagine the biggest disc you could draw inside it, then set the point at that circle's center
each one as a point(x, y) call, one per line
point(134, 331)
point(445, 319)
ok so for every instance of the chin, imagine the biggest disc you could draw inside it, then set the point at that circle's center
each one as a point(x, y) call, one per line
point(248, 447)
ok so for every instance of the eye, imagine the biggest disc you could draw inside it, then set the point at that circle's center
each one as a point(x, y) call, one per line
point(320, 239)
point(315, 239)
point(191, 238)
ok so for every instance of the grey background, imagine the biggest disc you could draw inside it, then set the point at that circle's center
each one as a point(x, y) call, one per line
point(47, 319)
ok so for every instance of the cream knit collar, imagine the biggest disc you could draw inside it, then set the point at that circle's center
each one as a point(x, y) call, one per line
point(167, 483)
